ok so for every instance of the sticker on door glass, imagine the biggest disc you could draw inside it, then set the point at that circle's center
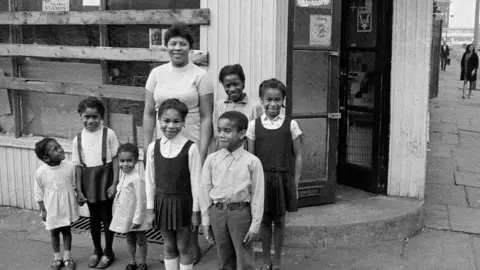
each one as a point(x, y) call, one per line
point(320, 30)
point(55, 5)
point(313, 3)
point(364, 20)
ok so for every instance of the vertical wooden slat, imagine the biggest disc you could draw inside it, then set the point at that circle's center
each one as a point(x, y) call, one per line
point(257, 44)
point(34, 163)
point(11, 171)
point(223, 41)
point(268, 38)
point(19, 186)
point(15, 37)
point(104, 64)
point(234, 27)
point(4, 176)
point(28, 176)
point(246, 48)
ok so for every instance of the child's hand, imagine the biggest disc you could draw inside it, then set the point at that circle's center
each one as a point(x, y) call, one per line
point(44, 215)
point(112, 190)
point(208, 232)
point(150, 217)
point(81, 199)
point(195, 221)
point(249, 239)
point(135, 226)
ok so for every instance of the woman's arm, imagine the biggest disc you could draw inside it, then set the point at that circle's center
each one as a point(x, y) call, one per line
point(148, 122)
point(206, 127)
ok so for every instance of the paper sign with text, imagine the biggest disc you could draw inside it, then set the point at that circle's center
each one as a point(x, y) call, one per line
point(55, 5)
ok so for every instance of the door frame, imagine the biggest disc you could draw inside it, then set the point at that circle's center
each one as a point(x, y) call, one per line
point(333, 94)
point(381, 130)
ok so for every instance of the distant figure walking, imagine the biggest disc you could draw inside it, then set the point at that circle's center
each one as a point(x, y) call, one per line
point(469, 67)
point(444, 55)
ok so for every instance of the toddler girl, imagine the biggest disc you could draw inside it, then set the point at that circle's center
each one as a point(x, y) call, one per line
point(172, 174)
point(130, 206)
point(55, 193)
point(275, 140)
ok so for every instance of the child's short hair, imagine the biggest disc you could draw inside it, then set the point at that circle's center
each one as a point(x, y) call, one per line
point(41, 147)
point(241, 121)
point(129, 147)
point(272, 83)
point(91, 102)
point(179, 29)
point(235, 69)
point(175, 104)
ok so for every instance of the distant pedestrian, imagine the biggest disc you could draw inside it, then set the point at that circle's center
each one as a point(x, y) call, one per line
point(130, 206)
point(172, 174)
point(444, 55)
point(94, 153)
point(276, 141)
point(469, 65)
point(55, 193)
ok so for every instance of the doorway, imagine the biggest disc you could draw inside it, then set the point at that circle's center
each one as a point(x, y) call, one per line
point(365, 94)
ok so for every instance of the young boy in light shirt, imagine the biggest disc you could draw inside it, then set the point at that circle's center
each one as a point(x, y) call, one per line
point(231, 195)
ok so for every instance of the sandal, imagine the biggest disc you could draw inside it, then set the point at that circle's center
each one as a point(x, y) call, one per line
point(266, 267)
point(93, 261)
point(105, 262)
point(275, 267)
point(69, 264)
point(56, 264)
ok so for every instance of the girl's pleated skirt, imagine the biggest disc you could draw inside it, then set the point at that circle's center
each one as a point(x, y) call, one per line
point(172, 211)
point(280, 193)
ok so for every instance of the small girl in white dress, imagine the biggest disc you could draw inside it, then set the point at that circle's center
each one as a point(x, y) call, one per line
point(130, 206)
point(55, 193)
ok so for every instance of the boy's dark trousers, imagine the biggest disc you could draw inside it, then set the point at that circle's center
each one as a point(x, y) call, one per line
point(230, 225)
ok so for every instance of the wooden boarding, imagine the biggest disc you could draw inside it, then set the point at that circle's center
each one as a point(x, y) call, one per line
point(76, 89)
point(154, 16)
point(97, 53)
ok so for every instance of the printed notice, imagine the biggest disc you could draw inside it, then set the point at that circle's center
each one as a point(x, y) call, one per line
point(313, 3)
point(91, 2)
point(55, 5)
point(320, 30)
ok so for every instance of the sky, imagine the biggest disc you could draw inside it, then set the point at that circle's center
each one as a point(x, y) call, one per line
point(463, 12)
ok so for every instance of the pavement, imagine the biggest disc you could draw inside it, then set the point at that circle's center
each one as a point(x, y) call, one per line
point(449, 240)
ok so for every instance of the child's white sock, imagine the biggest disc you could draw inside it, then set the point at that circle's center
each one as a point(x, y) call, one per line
point(171, 264)
point(186, 267)
point(66, 254)
point(56, 256)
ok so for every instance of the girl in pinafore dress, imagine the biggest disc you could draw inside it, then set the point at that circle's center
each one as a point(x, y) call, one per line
point(55, 194)
point(130, 206)
point(275, 140)
point(172, 173)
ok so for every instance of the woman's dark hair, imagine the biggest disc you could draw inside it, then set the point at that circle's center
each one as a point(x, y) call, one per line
point(175, 104)
point(91, 102)
point(468, 46)
point(179, 30)
point(130, 148)
point(232, 70)
point(41, 147)
point(272, 83)
point(240, 120)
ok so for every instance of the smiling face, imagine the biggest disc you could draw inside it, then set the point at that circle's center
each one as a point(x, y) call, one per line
point(233, 87)
point(55, 153)
point(272, 102)
point(171, 123)
point(91, 119)
point(178, 49)
point(126, 161)
point(228, 135)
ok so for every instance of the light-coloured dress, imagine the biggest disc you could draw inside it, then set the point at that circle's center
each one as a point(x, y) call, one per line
point(130, 203)
point(54, 185)
point(187, 84)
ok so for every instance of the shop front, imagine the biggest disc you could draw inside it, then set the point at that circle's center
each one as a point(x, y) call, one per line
point(338, 59)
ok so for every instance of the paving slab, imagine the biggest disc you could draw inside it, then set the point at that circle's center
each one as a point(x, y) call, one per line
point(445, 195)
point(439, 151)
point(436, 219)
point(468, 165)
point(473, 197)
point(464, 219)
point(471, 128)
point(475, 242)
point(439, 250)
point(440, 163)
point(449, 138)
point(440, 177)
point(467, 179)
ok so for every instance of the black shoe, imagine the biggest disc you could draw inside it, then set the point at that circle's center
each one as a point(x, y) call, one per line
point(131, 267)
point(142, 267)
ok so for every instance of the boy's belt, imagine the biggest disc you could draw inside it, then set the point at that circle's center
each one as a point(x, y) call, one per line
point(231, 206)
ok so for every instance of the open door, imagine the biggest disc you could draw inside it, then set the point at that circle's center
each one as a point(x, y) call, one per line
point(313, 82)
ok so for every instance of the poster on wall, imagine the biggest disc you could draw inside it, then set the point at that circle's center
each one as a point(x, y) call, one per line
point(364, 20)
point(55, 5)
point(91, 2)
point(313, 3)
point(320, 30)
point(156, 37)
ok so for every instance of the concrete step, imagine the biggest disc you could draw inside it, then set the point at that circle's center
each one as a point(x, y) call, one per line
point(357, 218)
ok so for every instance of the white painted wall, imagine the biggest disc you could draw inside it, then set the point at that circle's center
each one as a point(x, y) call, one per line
point(411, 45)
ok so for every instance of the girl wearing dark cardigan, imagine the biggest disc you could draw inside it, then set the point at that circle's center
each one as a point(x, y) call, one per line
point(469, 67)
